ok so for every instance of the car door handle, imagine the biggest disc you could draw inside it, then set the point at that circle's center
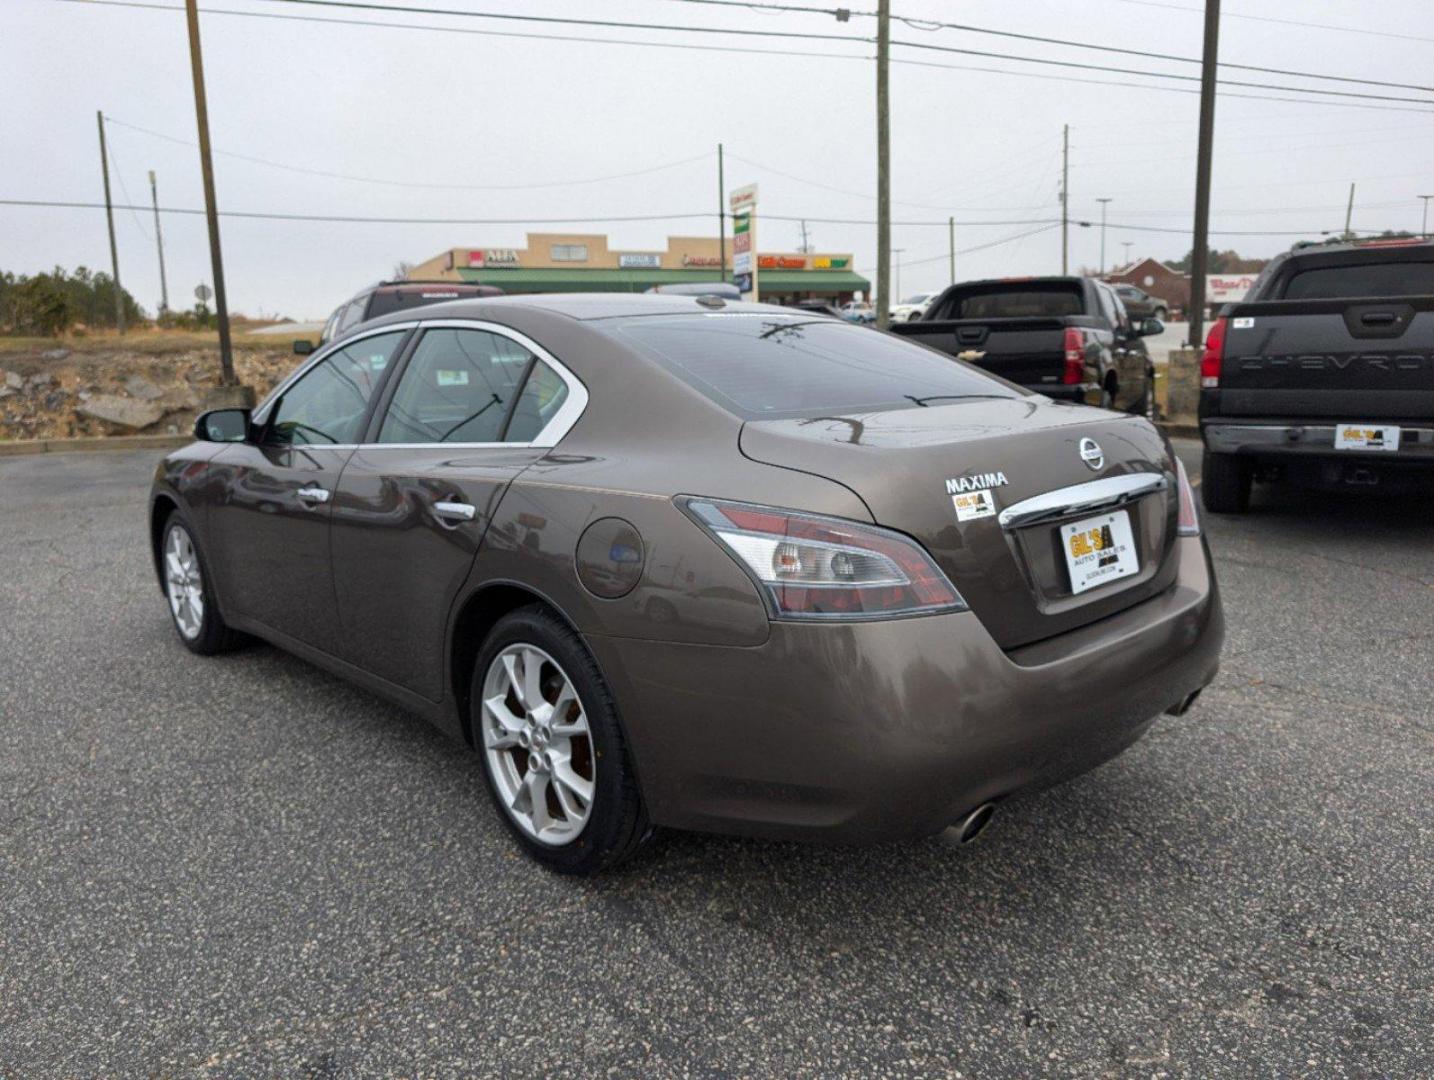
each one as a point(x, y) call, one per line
point(455, 511)
point(313, 493)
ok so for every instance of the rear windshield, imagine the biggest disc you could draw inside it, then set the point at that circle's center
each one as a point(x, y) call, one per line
point(386, 303)
point(1014, 301)
point(766, 367)
point(1369, 280)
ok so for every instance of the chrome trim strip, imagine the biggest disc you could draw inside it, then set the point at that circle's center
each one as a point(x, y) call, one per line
point(1100, 494)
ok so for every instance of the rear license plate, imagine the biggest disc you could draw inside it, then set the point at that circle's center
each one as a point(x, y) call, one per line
point(1099, 549)
point(1366, 437)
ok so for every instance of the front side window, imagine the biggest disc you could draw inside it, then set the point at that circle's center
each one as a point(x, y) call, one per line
point(763, 367)
point(458, 388)
point(327, 405)
point(352, 316)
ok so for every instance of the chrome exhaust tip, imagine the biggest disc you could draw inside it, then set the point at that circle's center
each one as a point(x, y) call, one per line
point(974, 823)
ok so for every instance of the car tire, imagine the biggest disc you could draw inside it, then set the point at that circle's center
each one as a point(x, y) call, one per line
point(189, 591)
point(1160, 313)
point(529, 750)
point(1107, 396)
point(1225, 482)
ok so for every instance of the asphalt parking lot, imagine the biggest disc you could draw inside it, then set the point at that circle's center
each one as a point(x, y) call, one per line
point(244, 867)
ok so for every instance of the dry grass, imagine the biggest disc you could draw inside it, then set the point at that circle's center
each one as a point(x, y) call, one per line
point(153, 342)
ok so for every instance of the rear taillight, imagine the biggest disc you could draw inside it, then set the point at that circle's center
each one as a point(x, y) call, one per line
point(1189, 520)
point(1074, 371)
point(1214, 355)
point(813, 567)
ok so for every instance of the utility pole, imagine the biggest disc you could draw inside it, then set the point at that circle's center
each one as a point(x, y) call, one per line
point(1200, 256)
point(1102, 233)
point(211, 211)
point(1349, 213)
point(897, 252)
point(951, 245)
point(721, 217)
point(883, 167)
point(110, 219)
point(806, 247)
point(1065, 198)
point(1424, 227)
point(1127, 244)
point(159, 243)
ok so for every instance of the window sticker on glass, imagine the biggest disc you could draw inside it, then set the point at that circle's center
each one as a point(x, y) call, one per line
point(451, 378)
point(378, 361)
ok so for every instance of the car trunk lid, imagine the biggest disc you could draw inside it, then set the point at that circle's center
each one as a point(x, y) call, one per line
point(910, 466)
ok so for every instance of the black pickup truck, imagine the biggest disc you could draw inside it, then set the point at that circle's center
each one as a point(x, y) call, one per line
point(1066, 337)
point(1324, 373)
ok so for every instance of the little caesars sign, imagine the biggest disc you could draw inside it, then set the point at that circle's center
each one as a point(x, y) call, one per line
point(743, 203)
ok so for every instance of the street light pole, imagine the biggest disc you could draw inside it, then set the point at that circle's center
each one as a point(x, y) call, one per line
point(1424, 227)
point(1127, 244)
point(721, 218)
point(1102, 233)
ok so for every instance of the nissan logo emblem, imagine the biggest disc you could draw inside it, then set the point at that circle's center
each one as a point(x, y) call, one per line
point(1092, 454)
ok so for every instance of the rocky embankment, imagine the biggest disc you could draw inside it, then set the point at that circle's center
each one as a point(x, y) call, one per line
point(58, 393)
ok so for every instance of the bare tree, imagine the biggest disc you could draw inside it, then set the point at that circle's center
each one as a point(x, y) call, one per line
point(401, 270)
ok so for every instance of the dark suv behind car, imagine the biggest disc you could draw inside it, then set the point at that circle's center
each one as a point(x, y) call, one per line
point(389, 296)
point(1139, 304)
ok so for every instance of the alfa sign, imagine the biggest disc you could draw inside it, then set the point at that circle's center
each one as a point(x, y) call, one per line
point(478, 260)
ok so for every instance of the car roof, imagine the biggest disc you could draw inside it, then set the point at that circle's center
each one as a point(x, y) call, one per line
point(583, 307)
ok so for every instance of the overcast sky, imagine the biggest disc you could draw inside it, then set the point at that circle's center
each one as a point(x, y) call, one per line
point(401, 112)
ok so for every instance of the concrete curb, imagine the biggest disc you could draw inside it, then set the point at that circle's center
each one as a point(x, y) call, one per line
point(1179, 429)
point(16, 447)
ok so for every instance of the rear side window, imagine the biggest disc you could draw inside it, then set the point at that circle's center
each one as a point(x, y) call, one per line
point(1001, 301)
point(457, 388)
point(1370, 280)
point(770, 367)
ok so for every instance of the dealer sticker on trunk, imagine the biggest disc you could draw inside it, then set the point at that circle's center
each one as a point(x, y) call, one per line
point(1099, 549)
point(1366, 437)
point(971, 505)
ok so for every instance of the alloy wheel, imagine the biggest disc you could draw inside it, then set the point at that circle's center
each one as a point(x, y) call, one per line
point(183, 582)
point(537, 744)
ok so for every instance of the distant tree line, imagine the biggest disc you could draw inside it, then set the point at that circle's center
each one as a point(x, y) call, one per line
point(49, 304)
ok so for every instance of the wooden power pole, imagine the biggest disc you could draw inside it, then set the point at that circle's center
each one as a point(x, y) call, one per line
point(110, 219)
point(883, 166)
point(211, 211)
point(1200, 256)
point(951, 245)
point(159, 243)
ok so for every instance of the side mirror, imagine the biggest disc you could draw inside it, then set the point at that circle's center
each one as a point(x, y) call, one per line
point(222, 425)
point(303, 346)
point(1151, 327)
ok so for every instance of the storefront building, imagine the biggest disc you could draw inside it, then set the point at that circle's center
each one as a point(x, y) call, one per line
point(566, 262)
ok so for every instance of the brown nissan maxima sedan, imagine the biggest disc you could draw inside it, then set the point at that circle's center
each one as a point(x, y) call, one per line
point(695, 563)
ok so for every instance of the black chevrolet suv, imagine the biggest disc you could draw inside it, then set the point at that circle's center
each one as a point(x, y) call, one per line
point(1323, 373)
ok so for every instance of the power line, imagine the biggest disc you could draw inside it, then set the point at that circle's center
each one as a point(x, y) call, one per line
point(934, 25)
point(1303, 25)
point(381, 220)
point(414, 183)
point(1124, 71)
point(143, 4)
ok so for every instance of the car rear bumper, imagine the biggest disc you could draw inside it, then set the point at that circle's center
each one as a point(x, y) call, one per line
point(1315, 439)
point(876, 730)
